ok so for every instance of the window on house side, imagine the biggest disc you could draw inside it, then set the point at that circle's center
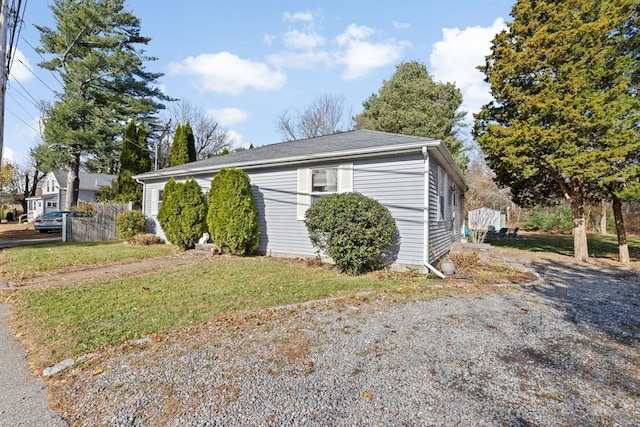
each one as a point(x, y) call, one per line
point(324, 181)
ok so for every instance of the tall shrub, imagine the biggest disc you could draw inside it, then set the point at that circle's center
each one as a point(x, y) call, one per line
point(233, 216)
point(356, 231)
point(183, 213)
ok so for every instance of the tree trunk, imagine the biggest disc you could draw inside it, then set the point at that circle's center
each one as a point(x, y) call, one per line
point(623, 247)
point(580, 245)
point(73, 183)
point(603, 217)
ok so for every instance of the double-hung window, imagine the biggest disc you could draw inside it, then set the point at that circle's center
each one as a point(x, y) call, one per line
point(317, 182)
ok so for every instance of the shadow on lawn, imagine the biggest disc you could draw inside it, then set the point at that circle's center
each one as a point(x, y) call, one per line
point(607, 299)
point(599, 246)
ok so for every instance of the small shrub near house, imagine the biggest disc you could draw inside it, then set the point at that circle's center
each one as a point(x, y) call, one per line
point(183, 213)
point(233, 216)
point(130, 223)
point(356, 231)
point(146, 239)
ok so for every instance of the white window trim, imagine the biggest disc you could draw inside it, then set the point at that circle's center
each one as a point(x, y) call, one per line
point(304, 193)
point(155, 199)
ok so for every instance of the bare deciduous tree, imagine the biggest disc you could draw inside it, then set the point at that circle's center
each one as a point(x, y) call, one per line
point(210, 137)
point(323, 116)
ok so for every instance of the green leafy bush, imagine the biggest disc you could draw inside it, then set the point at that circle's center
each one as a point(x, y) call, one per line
point(356, 231)
point(130, 223)
point(233, 216)
point(550, 219)
point(183, 213)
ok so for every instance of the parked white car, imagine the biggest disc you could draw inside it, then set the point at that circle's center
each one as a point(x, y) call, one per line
point(52, 221)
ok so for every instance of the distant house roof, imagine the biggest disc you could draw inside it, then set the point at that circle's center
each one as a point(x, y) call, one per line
point(343, 145)
point(88, 181)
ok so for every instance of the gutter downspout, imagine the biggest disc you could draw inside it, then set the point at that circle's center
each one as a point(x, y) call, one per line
point(426, 242)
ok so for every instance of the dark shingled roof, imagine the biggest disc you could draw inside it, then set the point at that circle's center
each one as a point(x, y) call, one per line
point(330, 145)
point(88, 181)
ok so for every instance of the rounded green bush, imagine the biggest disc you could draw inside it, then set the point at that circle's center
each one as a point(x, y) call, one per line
point(130, 223)
point(233, 216)
point(183, 213)
point(354, 230)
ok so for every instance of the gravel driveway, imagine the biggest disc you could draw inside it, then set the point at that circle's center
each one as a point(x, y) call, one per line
point(564, 351)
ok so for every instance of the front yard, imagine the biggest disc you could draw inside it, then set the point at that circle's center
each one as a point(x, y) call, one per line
point(63, 306)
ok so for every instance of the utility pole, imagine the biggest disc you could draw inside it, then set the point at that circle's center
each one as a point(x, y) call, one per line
point(4, 21)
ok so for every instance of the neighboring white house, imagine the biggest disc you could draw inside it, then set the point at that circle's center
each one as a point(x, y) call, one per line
point(415, 178)
point(483, 218)
point(52, 191)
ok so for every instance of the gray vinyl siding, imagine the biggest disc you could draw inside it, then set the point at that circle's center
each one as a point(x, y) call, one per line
point(442, 231)
point(275, 194)
point(398, 184)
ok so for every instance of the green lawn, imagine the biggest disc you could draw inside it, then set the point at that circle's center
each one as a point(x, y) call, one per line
point(63, 321)
point(599, 246)
point(31, 260)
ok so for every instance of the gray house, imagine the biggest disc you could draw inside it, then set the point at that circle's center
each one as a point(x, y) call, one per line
point(52, 191)
point(415, 178)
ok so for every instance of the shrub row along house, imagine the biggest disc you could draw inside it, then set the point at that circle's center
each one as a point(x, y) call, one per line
point(415, 178)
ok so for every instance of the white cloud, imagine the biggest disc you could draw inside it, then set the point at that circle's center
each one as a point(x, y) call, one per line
point(306, 59)
point(298, 16)
point(354, 32)
point(236, 139)
point(268, 39)
point(228, 116)
point(361, 56)
point(19, 70)
point(227, 73)
point(299, 40)
point(401, 25)
point(455, 58)
point(8, 156)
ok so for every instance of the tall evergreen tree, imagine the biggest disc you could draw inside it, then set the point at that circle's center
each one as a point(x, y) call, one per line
point(412, 103)
point(179, 148)
point(134, 159)
point(191, 143)
point(94, 50)
point(565, 116)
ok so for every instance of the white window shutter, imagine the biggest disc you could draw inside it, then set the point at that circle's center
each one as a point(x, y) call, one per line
point(304, 190)
point(154, 201)
point(345, 178)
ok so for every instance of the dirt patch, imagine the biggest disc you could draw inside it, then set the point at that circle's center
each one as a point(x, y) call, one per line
point(86, 274)
point(10, 231)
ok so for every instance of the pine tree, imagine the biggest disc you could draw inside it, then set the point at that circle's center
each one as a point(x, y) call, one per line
point(191, 143)
point(134, 159)
point(412, 103)
point(94, 50)
point(565, 117)
point(179, 148)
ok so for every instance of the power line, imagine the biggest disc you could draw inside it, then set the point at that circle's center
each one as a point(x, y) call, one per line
point(32, 101)
point(35, 75)
point(15, 29)
point(18, 103)
point(55, 76)
point(23, 121)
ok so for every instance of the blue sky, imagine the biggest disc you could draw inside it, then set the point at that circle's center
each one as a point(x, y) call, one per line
point(245, 62)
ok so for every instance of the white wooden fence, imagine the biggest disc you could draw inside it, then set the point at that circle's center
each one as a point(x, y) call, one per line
point(99, 225)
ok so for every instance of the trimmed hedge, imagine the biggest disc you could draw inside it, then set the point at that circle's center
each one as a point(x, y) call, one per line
point(183, 213)
point(233, 216)
point(354, 230)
